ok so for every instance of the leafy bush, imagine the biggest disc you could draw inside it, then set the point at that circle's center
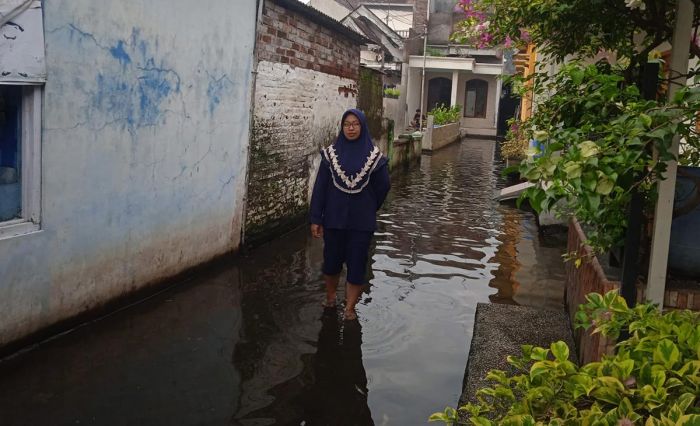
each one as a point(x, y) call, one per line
point(431, 51)
point(445, 115)
point(603, 141)
point(392, 92)
point(515, 144)
point(653, 379)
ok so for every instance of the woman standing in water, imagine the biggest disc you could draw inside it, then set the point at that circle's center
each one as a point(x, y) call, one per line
point(350, 187)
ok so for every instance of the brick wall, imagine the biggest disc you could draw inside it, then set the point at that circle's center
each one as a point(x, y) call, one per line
point(307, 77)
point(288, 37)
point(589, 278)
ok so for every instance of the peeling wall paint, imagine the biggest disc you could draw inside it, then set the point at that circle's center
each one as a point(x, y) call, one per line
point(297, 112)
point(144, 139)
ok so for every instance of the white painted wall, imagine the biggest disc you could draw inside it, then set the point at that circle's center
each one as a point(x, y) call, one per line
point(145, 138)
point(479, 126)
point(297, 111)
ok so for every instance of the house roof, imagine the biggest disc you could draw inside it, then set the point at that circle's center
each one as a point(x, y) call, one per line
point(322, 19)
point(363, 20)
point(357, 3)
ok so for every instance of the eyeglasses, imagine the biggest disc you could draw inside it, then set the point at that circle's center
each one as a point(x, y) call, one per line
point(350, 125)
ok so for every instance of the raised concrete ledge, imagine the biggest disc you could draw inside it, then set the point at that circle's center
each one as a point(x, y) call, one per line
point(500, 330)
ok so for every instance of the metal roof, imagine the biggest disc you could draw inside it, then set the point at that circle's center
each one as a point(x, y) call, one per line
point(321, 18)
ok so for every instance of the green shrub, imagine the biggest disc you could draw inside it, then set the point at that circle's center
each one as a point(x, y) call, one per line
point(392, 92)
point(445, 115)
point(653, 379)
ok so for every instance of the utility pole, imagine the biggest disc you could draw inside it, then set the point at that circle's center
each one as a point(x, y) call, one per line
point(422, 82)
point(658, 261)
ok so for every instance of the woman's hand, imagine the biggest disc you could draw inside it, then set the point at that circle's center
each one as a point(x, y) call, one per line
point(316, 230)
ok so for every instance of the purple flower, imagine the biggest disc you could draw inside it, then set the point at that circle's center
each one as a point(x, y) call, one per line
point(525, 35)
point(508, 43)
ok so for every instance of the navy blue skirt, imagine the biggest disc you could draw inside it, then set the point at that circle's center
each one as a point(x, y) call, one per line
point(349, 247)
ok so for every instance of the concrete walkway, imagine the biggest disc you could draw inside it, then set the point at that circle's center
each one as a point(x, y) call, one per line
point(500, 330)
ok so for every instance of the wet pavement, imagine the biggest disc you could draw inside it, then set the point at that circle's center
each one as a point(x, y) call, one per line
point(248, 343)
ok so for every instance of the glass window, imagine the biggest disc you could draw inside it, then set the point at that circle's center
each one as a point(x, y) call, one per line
point(10, 152)
point(475, 99)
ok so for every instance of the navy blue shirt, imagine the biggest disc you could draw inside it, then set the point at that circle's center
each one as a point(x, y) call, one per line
point(335, 209)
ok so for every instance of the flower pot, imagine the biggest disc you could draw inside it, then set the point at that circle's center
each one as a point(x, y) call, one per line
point(684, 250)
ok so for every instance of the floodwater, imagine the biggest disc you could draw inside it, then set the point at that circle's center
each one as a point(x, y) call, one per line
point(247, 343)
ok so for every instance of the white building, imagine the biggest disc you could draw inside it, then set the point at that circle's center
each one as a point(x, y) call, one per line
point(124, 135)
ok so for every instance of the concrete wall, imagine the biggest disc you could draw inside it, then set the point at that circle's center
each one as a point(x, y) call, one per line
point(435, 138)
point(370, 100)
point(307, 77)
point(145, 138)
point(479, 126)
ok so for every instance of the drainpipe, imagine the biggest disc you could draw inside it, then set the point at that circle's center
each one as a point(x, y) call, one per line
point(422, 81)
point(258, 20)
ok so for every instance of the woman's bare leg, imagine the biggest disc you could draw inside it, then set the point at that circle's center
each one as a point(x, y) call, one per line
point(331, 288)
point(352, 296)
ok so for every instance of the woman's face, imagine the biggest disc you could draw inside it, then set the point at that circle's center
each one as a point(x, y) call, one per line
point(351, 127)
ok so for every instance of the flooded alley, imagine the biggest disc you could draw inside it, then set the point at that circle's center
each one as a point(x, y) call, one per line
point(248, 343)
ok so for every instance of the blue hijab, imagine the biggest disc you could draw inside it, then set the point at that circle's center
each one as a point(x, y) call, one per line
point(353, 158)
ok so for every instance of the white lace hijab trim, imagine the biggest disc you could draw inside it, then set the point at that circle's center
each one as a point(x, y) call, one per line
point(351, 183)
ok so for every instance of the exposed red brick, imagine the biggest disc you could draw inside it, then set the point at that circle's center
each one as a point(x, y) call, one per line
point(288, 35)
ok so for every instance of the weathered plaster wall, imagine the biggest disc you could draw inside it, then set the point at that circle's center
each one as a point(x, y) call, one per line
point(307, 77)
point(370, 100)
point(297, 112)
point(145, 134)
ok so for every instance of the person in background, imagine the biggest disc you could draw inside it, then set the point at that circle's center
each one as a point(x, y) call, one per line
point(416, 122)
point(351, 185)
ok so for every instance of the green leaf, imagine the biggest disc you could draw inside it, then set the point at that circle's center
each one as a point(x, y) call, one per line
point(625, 409)
point(588, 149)
point(572, 170)
point(539, 368)
point(593, 201)
point(689, 420)
point(666, 353)
point(539, 354)
point(560, 351)
point(480, 421)
point(645, 119)
point(685, 401)
point(604, 186)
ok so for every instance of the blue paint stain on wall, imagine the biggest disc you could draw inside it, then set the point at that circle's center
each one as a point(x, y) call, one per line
point(119, 53)
point(135, 93)
point(218, 89)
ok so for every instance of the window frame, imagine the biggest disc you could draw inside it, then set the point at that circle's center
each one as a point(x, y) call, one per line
point(30, 174)
point(486, 98)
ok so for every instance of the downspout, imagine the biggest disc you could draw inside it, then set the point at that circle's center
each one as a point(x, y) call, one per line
point(422, 81)
point(254, 77)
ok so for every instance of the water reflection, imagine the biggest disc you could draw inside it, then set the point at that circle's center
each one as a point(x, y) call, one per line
point(247, 344)
point(338, 393)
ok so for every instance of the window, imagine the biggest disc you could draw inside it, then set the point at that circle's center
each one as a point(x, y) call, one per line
point(475, 99)
point(20, 118)
point(21, 82)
